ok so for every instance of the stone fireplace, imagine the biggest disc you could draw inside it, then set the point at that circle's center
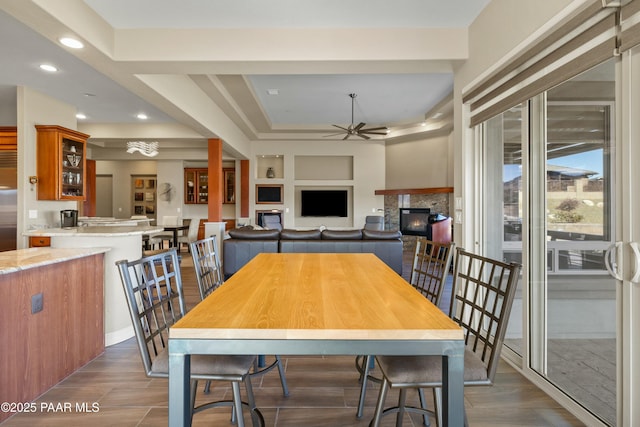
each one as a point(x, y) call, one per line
point(436, 201)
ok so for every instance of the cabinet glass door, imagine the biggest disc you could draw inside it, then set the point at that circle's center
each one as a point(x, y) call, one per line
point(72, 168)
point(190, 186)
point(203, 187)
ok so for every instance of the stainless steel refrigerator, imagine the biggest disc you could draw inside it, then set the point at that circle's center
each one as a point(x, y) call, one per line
point(8, 199)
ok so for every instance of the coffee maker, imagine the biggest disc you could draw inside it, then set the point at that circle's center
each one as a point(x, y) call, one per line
point(68, 218)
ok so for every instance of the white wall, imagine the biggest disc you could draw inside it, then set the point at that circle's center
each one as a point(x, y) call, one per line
point(368, 176)
point(8, 110)
point(172, 172)
point(35, 108)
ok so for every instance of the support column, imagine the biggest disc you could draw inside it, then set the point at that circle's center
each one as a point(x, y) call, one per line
point(216, 189)
point(244, 188)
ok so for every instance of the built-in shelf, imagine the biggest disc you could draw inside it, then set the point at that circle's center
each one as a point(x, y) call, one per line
point(270, 166)
point(433, 190)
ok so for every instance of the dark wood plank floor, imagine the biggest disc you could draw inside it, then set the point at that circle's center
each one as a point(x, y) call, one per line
point(323, 392)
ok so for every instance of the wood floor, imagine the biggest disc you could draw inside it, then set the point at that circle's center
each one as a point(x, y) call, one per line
point(323, 392)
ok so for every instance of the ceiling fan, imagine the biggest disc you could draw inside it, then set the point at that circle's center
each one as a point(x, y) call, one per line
point(358, 130)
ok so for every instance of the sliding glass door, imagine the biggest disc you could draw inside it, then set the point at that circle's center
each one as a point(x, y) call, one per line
point(579, 346)
point(548, 172)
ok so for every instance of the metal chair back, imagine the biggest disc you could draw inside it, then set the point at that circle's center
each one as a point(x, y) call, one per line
point(207, 265)
point(431, 263)
point(483, 294)
point(153, 289)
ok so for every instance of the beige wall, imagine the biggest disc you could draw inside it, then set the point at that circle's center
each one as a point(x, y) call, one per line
point(502, 26)
point(501, 29)
point(171, 171)
point(423, 163)
point(121, 174)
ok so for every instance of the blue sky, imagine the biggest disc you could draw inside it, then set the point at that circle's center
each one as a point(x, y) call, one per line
point(588, 160)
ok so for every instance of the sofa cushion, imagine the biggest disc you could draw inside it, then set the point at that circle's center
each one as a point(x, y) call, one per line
point(288, 234)
point(380, 234)
point(342, 235)
point(238, 252)
point(245, 234)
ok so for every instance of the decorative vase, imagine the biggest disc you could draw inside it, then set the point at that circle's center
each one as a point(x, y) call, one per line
point(270, 173)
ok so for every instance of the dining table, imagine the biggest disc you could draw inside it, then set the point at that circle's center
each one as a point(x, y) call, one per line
point(316, 304)
point(175, 229)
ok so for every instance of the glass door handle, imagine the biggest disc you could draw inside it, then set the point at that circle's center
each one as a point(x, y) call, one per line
point(611, 258)
point(636, 255)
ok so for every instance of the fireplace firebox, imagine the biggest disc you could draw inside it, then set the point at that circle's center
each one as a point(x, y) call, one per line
point(415, 221)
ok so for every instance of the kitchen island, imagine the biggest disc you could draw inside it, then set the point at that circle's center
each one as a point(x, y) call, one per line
point(50, 316)
point(124, 242)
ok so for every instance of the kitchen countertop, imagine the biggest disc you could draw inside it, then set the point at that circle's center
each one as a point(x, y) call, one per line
point(98, 231)
point(24, 259)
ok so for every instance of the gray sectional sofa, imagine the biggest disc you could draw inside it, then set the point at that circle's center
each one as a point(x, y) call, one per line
point(246, 243)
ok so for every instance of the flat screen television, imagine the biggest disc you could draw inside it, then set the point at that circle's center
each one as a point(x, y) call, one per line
point(269, 194)
point(323, 203)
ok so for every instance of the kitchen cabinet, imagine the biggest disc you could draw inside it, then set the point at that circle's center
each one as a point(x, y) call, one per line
point(8, 138)
point(61, 160)
point(39, 241)
point(196, 186)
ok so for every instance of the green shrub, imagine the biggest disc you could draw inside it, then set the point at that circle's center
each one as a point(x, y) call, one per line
point(568, 205)
point(567, 216)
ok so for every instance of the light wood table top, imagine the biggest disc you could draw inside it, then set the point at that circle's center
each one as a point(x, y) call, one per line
point(316, 303)
point(316, 296)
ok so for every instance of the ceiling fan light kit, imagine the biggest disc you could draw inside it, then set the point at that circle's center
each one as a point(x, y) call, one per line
point(359, 129)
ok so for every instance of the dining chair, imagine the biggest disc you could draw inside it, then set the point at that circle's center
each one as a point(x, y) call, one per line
point(192, 233)
point(480, 304)
point(145, 237)
point(431, 263)
point(209, 275)
point(154, 293)
point(429, 272)
point(159, 237)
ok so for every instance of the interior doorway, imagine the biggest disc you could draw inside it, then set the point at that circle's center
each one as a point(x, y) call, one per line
point(104, 203)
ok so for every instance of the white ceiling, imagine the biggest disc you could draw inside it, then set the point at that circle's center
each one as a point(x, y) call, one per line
point(395, 85)
point(287, 13)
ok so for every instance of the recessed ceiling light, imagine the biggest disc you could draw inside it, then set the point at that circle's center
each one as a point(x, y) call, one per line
point(80, 116)
point(72, 43)
point(273, 91)
point(88, 94)
point(423, 124)
point(48, 67)
point(142, 116)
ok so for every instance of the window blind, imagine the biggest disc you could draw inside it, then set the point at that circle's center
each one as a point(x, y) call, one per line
point(630, 25)
point(588, 38)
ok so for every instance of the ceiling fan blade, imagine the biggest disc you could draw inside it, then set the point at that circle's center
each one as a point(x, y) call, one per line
point(374, 129)
point(359, 126)
point(372, 133)
point(340, 127)
point(346, 136)
point(363, 136)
